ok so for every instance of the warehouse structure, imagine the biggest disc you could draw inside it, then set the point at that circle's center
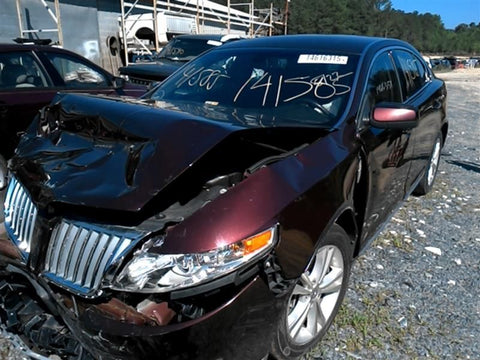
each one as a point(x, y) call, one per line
point(99, 29)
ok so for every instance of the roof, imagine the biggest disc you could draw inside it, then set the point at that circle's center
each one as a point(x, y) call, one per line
point(345, 43)
point(23, 47)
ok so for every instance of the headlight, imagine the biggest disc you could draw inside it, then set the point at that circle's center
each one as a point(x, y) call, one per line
point(149, 272)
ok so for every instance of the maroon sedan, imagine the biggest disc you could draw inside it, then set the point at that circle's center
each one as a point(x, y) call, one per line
point(217, 218)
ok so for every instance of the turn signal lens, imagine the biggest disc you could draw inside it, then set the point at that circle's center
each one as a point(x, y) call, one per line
point(257, 242)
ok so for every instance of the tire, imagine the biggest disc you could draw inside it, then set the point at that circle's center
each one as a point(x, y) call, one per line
point(311, 308)
point(428, 179)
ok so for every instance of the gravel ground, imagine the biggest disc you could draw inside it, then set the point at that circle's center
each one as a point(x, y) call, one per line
point(415, 293)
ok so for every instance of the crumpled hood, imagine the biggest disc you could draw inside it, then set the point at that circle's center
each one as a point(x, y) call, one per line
point(110, 154)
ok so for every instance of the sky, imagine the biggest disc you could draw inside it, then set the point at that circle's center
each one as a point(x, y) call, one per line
point(452, 12)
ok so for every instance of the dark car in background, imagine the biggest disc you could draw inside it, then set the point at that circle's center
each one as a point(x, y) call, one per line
point(440, 64)
point(31, 75)
point(218, 217)
point(176, 53)
point(454, 62)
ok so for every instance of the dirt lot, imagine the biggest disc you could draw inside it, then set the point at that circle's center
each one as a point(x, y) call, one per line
point(415, 294)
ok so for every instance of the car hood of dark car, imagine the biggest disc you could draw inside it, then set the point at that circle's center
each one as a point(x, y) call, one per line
point(112, 154)
point(158, 70)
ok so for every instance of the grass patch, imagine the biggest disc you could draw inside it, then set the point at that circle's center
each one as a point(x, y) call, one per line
point(367, 327)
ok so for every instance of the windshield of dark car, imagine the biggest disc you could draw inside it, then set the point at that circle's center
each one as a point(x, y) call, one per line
point(296, 85)
point(185, 49)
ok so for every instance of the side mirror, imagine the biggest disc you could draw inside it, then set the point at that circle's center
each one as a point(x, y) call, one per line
point(394, 116)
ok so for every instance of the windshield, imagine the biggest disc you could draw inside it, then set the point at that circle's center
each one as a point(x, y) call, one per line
point(289, 84)
point(185, 49)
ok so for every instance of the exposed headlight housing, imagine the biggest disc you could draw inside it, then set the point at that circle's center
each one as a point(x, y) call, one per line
point(150, 272)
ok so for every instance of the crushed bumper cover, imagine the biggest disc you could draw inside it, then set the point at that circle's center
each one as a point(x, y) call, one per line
point(242, 328)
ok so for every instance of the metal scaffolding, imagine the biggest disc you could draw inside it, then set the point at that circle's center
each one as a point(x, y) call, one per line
point(198, 16)
point(145, 25)
point(55, 17)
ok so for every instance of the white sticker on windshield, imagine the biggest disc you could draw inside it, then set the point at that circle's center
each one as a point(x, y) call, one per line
point(322, 59)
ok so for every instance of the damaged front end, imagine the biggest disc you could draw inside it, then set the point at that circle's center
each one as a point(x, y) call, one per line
point(131, 241)
point(131, 326)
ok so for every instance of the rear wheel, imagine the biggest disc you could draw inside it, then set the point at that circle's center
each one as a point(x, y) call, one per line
point(316, 297)
point(425, 185)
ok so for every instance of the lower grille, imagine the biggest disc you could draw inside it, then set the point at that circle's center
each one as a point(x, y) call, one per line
point(79, 254)
point(20, 216)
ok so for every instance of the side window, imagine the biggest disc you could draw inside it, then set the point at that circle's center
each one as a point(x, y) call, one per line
point(411, 70)
point(21, 70)
point(382, 85)
point(75, 73)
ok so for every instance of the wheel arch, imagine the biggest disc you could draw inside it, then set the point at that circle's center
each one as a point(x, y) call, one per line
point(444, 131)
point(346, 220)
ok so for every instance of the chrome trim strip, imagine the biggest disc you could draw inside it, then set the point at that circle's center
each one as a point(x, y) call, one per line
point(20, 216)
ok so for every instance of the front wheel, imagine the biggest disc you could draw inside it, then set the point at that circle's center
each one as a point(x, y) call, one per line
point(426, 183)
point(316, 297)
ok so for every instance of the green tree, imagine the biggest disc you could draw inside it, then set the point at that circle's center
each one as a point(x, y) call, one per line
point(375, 18)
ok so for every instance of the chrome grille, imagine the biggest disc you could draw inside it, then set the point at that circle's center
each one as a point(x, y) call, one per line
point(79, 254)
point(20, 216)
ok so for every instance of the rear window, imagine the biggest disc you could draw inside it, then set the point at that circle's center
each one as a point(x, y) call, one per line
point(185, 49)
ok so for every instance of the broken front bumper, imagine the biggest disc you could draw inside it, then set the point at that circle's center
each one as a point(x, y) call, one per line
point(17, 346)
point(240, 328)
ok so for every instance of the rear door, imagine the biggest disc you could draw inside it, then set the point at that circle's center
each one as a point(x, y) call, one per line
point(421, 90)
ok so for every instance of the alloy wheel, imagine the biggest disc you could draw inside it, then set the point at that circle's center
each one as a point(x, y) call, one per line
point(432, 167)
point(315, 295)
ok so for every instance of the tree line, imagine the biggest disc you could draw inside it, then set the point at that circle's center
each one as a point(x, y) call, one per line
point(375, 18)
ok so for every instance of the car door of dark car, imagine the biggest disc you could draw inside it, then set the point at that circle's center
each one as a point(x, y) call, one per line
point(427, 94)
point(386, 150)
point(24, 88)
